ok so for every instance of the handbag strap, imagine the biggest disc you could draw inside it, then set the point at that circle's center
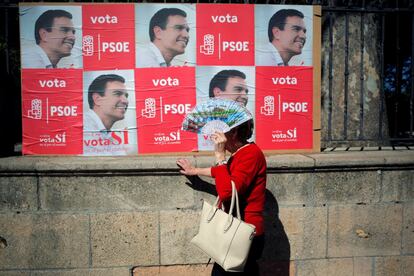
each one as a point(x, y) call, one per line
point(234, 199)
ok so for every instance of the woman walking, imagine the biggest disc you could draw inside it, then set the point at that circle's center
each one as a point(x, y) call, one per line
point(246, 167)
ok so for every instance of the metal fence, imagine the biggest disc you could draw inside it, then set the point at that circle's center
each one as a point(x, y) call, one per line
point(394, 121)
point(395, 49)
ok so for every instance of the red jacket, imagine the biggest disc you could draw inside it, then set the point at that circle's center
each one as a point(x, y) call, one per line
point(247, 168)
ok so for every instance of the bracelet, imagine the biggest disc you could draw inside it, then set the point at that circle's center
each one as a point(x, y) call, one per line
point(221, 162)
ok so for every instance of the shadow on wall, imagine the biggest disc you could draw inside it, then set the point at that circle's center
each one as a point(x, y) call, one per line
point(276, 254)
point(275, 260)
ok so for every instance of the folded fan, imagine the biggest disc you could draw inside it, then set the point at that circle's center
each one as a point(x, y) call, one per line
point(216, 115)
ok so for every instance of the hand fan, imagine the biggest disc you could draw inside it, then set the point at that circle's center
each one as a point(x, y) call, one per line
point(216, 115)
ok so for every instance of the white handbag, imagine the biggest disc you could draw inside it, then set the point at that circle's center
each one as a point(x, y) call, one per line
point(226, 239)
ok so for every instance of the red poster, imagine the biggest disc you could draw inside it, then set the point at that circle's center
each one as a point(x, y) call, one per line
point(225, 34)
point(52, 111)
point(163, 97)
point(284, 107)
point(108, 36)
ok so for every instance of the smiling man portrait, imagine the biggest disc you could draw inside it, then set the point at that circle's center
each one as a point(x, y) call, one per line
point(229, 84)
point(108, 103)
point(55, 38)
point(169, 35)
point(287, 37)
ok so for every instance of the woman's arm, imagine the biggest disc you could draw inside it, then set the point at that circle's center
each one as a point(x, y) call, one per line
point(188, 169)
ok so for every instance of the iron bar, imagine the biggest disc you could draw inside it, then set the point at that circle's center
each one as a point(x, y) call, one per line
point(361, 110)
point(6, 36)
point(411, 134)
point(346, 76)
point(330, 77)
point(382, 98)
point(397, 76)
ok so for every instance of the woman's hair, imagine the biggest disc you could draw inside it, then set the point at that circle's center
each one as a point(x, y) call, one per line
point(244, 131)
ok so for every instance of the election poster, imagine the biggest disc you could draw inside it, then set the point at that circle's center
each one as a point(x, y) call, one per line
point(52, 111)
point(227, 82)
point(108, 36)
point(284, 107)
point(109, 123)
point(172, 43)
point(117, 79)
point(163, 98)
point(63, 38)
point(290, 41)
point(225, 38)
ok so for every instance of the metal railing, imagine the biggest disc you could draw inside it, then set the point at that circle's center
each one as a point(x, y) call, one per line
point(396, 90)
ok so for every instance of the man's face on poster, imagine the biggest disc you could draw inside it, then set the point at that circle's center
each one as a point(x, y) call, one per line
point(174, 38)
point(60, 39)
point(114, 103)
point(236, 90)
point(293, 37)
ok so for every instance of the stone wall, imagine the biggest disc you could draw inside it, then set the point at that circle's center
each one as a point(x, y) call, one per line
point(336, 214)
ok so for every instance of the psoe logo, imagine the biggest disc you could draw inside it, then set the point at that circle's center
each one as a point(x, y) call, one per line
point(87, 45)
point(150, 109)
point(208, 45)
point(35, 112)
point(289, 134)
point(268, 108)
point(58, 139)
point(174, 137)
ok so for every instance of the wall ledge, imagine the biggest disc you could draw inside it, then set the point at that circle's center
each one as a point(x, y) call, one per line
point(165, 165)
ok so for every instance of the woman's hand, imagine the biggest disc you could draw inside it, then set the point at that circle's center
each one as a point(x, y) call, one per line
point(190, 170)
point(219, 140)
point(186, 167)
